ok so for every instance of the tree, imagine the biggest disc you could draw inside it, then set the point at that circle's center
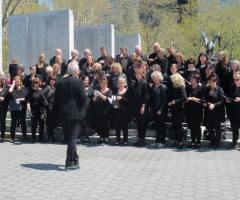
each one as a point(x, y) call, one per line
point(85, 12)
point(13, 7)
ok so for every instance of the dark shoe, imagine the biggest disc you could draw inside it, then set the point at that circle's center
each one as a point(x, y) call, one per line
point(12, 140)
point(235, 146)
point(33, 139)
point(72, 166)
point(106, 141)
point(141, 143)
point(117, 143)
point(41, 139)
point(175, 144)
point(180, 145)
point(100, 141)
point(197, 146)
point(86, 141)
point(24, 137)
point(193, 144)
point(136, 143)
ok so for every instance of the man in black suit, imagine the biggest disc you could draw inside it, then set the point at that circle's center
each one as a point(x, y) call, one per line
point(70, 101)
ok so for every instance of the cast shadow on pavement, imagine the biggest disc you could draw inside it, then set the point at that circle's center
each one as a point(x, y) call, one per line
point(44, 166)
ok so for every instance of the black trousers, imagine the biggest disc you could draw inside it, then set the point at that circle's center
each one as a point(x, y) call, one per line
point(142, 126)
point(235, 126)
point(72, 128)
point(176, 118)
point(50, 124)
point(214, 127)
point(195, 129)
point(121, 124)
point(35, 121)
point(84, 129)
point(15, 116)
point(3, 114)
point(160, 125)
point(102, 126)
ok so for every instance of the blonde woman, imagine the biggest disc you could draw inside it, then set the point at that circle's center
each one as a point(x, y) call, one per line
point(177, 98)
point(116, 73)
point(101, 111)
point(17, 96)
point(223, 71)
point(180, 62)
point(120, 111)
point(41, 68)
point(234, 67)
point(140, 104)
point(159, 107)
point(161, 60)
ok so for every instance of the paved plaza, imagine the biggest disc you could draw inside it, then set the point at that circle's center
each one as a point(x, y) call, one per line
point(36, 171)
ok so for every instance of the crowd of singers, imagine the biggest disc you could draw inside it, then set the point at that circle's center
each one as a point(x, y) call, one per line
point(128, 88)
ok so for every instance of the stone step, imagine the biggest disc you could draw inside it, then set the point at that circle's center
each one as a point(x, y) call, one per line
point(226, 131)
point(131, 140)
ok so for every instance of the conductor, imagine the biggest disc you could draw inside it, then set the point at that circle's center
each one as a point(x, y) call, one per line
point(70, 100)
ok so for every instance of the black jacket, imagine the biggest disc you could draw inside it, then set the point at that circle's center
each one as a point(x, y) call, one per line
point(140, 95)
point(70, 99)
point(13, 68)
point(234, 107)
point(217, 99)
point(179, 95)
point(4, 94)
point(159, 98)
point(37, 102)
point(163, 63)
point(194, 110)
point(42, 72)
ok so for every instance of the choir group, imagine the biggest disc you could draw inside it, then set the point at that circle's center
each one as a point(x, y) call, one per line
point(128, 88)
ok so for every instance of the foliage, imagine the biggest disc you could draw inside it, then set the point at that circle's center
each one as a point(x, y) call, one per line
point(85, 12)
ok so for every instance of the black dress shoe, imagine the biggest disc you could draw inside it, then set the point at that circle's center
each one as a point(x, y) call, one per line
point(180, 145)
point(72, 167)
point(12, 140)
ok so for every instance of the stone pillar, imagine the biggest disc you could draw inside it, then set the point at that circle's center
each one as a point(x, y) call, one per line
point(43, 32)
point(95, 37)
point(129, 41)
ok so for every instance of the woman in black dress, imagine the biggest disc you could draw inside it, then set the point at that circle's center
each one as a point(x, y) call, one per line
point(36, 105)
point(116, 72)
point(194, 109)
point(140, 100)
point(158, 99)
point(49, 93)
point(180, 63)
point(120, 111)
point(202, 63)
point(41, 68)
point(88, 120)
point(213, 96)
point(17, 97)
point(177, 99)
point(191, 70)
point(234, 109)
point(101, 109)
point(3, 106)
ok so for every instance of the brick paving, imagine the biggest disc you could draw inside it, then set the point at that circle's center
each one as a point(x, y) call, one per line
point(36, 171)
